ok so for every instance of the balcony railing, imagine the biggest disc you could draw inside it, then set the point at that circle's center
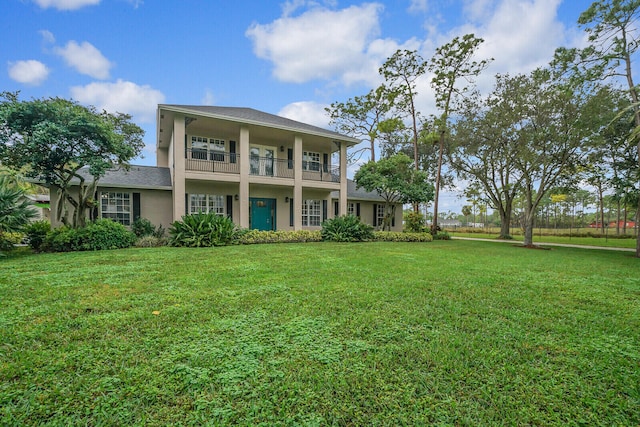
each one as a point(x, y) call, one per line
point(268, 166)
point(321, 172)
point(203, 161)
point(211, 161)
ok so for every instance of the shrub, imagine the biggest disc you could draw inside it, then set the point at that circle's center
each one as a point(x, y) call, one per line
point(203, 230)
point(250, 237)
point(414, 222)
point(61, 239)
point(441, 235)
point(37, 233)
point(346, 228)
point(105, 234)
point(393, 236)
point(142, 227)
point(150, 242)
point(99, 235)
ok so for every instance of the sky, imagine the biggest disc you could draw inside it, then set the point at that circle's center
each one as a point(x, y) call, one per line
point(290, 58)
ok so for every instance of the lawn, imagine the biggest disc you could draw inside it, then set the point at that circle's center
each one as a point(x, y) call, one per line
point(605, 242)
point(441, 333)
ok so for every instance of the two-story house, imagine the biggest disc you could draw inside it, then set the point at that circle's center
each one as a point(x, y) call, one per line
point(264, 171)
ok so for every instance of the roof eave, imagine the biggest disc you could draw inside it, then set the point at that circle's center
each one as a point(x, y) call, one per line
point(351, 141)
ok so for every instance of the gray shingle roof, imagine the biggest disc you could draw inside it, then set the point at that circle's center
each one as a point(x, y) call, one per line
point(151, 177)
point(249, 115)
point(358, 194)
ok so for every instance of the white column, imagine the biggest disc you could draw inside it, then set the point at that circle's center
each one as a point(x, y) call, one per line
point(342, 209)
point(297, 183)
point(243, 154)
point(179, 187)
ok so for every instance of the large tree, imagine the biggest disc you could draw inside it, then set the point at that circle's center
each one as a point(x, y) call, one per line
point(396, 181)
point(55, 138)
point(551, 140)
point(612, 28)
point(401, 72)
point(452, 63)
point(524, 139)
point(361, 117)
point(485, 144)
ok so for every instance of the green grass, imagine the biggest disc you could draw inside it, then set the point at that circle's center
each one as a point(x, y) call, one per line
point(443, 333)
point(604, 242)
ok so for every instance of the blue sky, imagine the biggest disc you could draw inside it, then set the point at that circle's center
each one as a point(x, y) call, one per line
point(290, 58)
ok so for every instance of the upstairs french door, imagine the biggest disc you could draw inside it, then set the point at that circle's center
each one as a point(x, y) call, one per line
point(262, 160)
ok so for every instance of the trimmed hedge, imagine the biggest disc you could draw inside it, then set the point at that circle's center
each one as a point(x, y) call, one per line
point(251, 237)
point(396, 236)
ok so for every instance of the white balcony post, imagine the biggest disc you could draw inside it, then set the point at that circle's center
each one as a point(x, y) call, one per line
point(343, 179)
point(179, 187)
point(243, 159)
point(297, 183)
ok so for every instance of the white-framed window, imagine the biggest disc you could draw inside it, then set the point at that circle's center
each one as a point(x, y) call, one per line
point(206, 203)
point(311, 213)
point(199, 147)
point(310, 161)
point(351, 209)
point(216, 204)
point(216, 149)
point(379, 215)
point(116, 206)
point(207, 148)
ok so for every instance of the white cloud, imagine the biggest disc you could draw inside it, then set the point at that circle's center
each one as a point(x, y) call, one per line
point(208, 98)
point(319, 44)
point(86, 59)
point(47, 36)
point(29, 72)
point(121, 96)
point(308, 112)
point(419, 6)
point(65, 4)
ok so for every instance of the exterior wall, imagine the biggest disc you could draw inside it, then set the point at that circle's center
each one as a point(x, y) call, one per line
point(367, 216)
point(215, 188)
point(155, 205)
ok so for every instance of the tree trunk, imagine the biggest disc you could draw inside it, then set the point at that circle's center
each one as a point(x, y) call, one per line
point(528, 224)
point(601, 202)
point(434, 227)
point(505, 221)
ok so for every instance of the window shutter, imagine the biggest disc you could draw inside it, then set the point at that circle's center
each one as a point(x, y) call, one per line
point(325, 160)
point(375, 215)
point(324, 210)
point(290, 158)
point(94, 211)
point(291, 212)
point(358, 210)
point(136, 206)
point(393, 216)
point(230, 207)
point(232, 152)
point(186, 204)
point(336, 208)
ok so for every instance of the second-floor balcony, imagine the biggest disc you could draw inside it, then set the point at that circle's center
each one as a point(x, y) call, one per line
point(223, 162)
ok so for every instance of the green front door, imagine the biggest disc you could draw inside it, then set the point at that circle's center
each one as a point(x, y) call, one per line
point(263, 214)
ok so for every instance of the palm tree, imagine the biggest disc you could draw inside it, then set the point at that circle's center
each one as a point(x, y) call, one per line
point(15, 210)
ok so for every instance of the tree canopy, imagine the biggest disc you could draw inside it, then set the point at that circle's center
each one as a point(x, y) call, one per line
point(54, 138)
point(396, 181)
